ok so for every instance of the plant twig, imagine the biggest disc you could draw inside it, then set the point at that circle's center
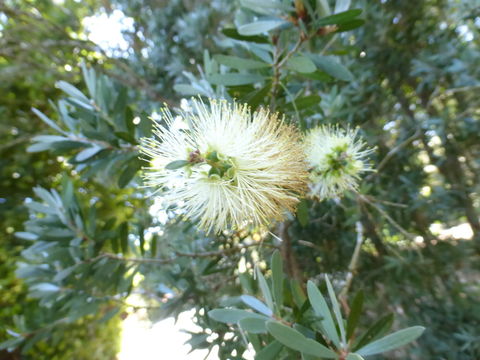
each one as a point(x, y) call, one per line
point(288, 255)
point(352, 267)
point(388, 217)
point(178, 254)
point(392, 153)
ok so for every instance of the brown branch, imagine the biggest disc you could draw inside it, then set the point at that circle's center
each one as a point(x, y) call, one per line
point(291, 263)
point(393, 152)
point(178, 254)
point(352, 267)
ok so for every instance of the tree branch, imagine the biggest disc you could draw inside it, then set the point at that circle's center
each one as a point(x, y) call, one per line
point(179, 254)
point(352, 267)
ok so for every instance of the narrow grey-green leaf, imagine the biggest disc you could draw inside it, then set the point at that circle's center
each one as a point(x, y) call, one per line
point(260, 27)
point(253, 325)
point(234, 79)
point(186, 89)
point(301, 64)
point(277, 278)
point(233, 316)
point(37, 147)
point(256, 304)
point(297, 341)
point(336, 309)
point(123, 234)
point(90, 77)
point(87, 153)
point(239, 63)
point(71, 90)
point(302, 212)
point(270, 351)
point(323, 8)
point(392, 341)
point(340, 18)
point(26, 235)
point(265, 289)
point(177, 164)
point(234, 34)
point(332, 67)
point(354, 316)
point(48, 121)
point(374, 332)
point(297, 292)
point(49, 138)
point(129, 172)
point(267, 7)
point(11, 343)
point(321, 309)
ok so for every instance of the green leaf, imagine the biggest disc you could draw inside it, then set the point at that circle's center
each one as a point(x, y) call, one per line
point(269, 352)
point(72, 91)
point(239, 63)
point(336, 309)
point(355, 311)
point(123, 234)
point(255, 98)
point(301, 64)
point(234, 34)
point(45, 288)
point(129, 172)
point(392, 341)
point(89, 77)
point(277, 278)
point(304, 102)
point(266, 7)
point(332, 67)
point(321, 309)
point(11, 343)
point(26, 235)
point(47, 121)
point(153, 246)
point(340, 18)
point(378, 329)
point(260, 27)
point(350, 25)
point(234, 79)
point(256, 304)
point(318, 75)
point(233, 316)
point(253, 325)
point(297, 292)
point(190, 90)
point(267, 295)
point(297, 341)
point(302, 212)
point(254, 339)
point(62, 274)
point(323, 8)
point(49, 138)
point(177, 164)
point(87, 153)
point(115, 244)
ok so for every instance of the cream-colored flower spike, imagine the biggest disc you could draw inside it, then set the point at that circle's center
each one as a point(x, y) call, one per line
point(336, 158)
point(228, 167)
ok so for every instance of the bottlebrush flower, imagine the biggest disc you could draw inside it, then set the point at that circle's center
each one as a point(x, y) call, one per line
point(336, 158)
point(229, 167)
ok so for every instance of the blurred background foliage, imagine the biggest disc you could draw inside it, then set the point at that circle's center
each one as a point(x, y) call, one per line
point(407, 73)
